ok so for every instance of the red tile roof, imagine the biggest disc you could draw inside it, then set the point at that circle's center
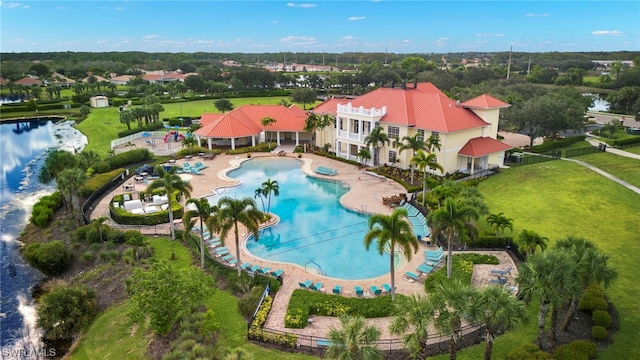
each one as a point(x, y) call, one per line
point(424, 107)
point(246, 121)
point(28, 81)
point(329, 106)
point(482, 146)
point(484, 102)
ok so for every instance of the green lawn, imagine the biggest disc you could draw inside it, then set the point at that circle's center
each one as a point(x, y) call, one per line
point(634, 149)
point(557, 199)
point(622, 167)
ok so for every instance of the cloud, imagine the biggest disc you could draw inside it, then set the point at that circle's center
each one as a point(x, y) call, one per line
point(356, 18)
point(119, 8)
point(17, 40)
point(306, 6)
point(298, 40)
point(488, 35)
point(537, 15)
point(274, 22)
point(151, 36)
point(607, 32)
point(10, 5)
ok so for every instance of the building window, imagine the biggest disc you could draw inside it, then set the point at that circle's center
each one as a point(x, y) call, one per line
point(393, 156)
point(420, 136)
point(356, 126)
point(393, 132)
point(435, 134)
point(341, 124)
point(368, 127)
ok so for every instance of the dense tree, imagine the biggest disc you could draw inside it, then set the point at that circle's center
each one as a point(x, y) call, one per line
point(66, 310)
point(69, 182)
point(163, 292)
point(52, 258)
point(195, 83)
point(304, 96)
point(223, 105)
point(56, 162)
point(355, 340)
point(389, 231)
point(424, 161)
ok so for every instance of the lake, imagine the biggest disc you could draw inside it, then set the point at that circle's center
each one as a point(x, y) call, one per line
point(23, 149)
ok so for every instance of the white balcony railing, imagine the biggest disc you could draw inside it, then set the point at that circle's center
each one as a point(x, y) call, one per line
point(373, 112)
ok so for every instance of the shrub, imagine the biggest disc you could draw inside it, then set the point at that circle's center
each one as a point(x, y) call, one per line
point(149, 127)
point(262, 147)
point(98, 181)
point(52, 258)
point(44, 209)
point(101, 167)
point(576, 350)
point(491, 241)
point(461, 268)
point(248, 302)
point(88, 256)
point(129, 157)
point(66, 310)
point(556, 144)
point(528, 351)
point(599, 332)
point(115, 236)
point(196, 150)
point(627, 141)
point(602, 318)
point(592, 300)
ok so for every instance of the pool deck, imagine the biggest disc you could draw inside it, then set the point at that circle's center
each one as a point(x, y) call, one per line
point(365, 196)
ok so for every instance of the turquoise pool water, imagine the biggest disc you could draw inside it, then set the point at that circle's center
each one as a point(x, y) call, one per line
point(315, 231)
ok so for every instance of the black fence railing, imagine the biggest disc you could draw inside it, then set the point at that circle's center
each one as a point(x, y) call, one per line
point(97, 195)
point(582, 151)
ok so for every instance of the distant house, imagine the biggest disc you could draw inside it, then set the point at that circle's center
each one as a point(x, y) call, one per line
point(99, 101)
point(163, 78)
point(467, 131)
point(62, 80)
point(243, 126)
point(28, 81)
point(121, 80)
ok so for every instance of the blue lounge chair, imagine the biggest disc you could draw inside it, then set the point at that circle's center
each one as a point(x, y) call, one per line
point(223, 252)
point(277, 273)
point(306, 284)
point(411, 275)
point(324, 342)
point(375, 290)
point(337, 289)
point(386, 287)
point(229, 258)
point(317, 286)
point(505, 271)
point(255, 268)
point(359, 291)
point(425, 269)
point(245, 266)
point(498, 281)
point(264, 270)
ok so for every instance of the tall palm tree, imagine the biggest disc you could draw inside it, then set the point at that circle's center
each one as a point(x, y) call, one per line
point(233, 211)
point(424, 161)
point(98, 223)
point(551, 278)
point(433, 143)
point(310, 125)
point(355, 340)
point(267, 122)
point(201, 209)
point(170, 181)
point(258, 193)
point(500, 222)
point(529, 241)
point(449, 220)
point(414, 144)
point(592, 266)
point(500, 311)
point(412, 320)
point(454, 301)
point(389, 231)
point(69, 182)
point(376, 138)
point(270, 187)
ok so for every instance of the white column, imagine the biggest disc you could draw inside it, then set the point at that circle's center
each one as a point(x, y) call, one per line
point(233, 143)
point(297, 138)
point(473, 161)
point(210, 143)
point(278, 137)
point(253, 140)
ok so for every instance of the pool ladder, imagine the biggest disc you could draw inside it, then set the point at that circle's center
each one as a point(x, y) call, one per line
point(320, 271)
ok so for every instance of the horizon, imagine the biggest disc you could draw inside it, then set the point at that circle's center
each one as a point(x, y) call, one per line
point(373, 26)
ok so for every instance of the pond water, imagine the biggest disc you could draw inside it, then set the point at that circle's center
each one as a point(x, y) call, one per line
point(24, 147)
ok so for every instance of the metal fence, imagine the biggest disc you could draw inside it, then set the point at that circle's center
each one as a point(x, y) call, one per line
point(582, 151)
point(128, 138)
point(531, 158)
point(97, 195)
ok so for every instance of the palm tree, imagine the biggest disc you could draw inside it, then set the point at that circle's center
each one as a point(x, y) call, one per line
point(258, 193)
point(201, 209)
point(136, 240)
point(412, 321)
point(69, 182)
point(500, 223)
point(268, 121)
point(270, 187)
point(364, 155)
point(233, 211)
point(97, 223)
point(551, 278)
point(389, 231)
point(355, 340)
point(450, 219)
point(170, 182)
point(529, 241)
point(592, 266)
point(500, 311)
point(433, 143)
point(126, 117)
point(414, 144)
point(190, 142)
point(311, 124)
point(452, 302)
point(424, 161)
point(375, 139)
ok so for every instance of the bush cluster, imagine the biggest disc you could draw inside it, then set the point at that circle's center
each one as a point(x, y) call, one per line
point(6, 109)
point(52, 258)
point(528, 351)
point(262, 147)
point(196, 150)
point(129, 157)
point(576, 350)
point(599, 332)
point(45, 207)
point(556, 144)
point(304, 303)
point(256, 333)
point(592, 299)
point(98, 181)
point(626, 141)
point(490, 241)
point(601, 318)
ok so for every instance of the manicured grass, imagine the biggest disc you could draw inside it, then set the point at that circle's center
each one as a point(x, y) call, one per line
point(634, 149)
point(557, 199)
point(627, 169)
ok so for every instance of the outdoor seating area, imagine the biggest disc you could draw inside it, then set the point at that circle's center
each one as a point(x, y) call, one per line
point(193, 169)
point(308, 284)
point(433, 257)
point(322, 170)
point(418, 221)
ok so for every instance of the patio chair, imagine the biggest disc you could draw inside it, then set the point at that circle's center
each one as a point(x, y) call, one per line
point(504, 271)
point(317, 286)
point(425, 269)
point(411, 276)
point(245, 266)
point(337, 289)
point(359, 291)
point(255, 268)
point(386, 287)
point(498, 281)
point(222, 252)
point(375, 290)
point(264, 270)
point(306, 284)
point(229, 259)
point(277, 273)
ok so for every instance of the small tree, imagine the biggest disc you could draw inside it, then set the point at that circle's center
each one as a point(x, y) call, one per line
point(304, 96)
point(355, 340)
point(66, 310)
point(223, 105)
point(364, 155)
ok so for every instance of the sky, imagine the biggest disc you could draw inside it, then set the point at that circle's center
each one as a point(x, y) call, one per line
point(319, 26)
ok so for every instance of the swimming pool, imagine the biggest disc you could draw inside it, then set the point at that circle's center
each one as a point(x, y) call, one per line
point(315, 231)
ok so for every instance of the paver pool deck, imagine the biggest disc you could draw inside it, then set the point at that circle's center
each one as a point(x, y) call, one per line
point(365, 195)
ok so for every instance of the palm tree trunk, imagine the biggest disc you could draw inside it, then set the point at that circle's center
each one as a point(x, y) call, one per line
point(488, 348)
point(201, 244)
point(424, 188)
point(449, 254)
point(573, 306)
point(412, 168)
point(555, 315)
point(393, 276)
point(542, 320)
point(452, 348)
point(238, 249)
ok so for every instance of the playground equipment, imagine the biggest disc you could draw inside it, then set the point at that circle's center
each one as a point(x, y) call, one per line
point(173, 135)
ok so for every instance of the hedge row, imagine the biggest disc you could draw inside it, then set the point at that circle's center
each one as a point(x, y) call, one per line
point(24, 108)
point(123, 217)
point(98, 181)
point(43, 210)
point(149, 127)
point(627, 141)
point(129, 157)
point(556, 144)
point(491, 241)
point(196, 150)
point(304, 303)
point(262, 147)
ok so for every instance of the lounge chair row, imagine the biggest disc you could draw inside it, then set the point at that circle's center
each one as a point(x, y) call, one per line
point(322, 170)
point(433, 257)
point(359, 291)
point(261, 270)
point(311, 285)
point(418, 222)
